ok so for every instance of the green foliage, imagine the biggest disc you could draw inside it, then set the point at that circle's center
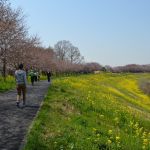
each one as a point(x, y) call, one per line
point(92, 112)
point(9, 83)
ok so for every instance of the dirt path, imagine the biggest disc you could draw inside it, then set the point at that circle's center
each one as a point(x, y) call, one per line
point(14, 122)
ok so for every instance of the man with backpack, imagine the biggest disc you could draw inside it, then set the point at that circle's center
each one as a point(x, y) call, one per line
point(21, 82)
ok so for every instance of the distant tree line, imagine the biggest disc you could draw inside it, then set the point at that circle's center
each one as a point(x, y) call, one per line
point(133, 68)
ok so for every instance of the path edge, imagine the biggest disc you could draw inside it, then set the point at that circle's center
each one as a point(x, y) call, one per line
point(24, 141)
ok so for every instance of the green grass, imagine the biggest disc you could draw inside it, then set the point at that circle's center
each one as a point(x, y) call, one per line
point(43, 77)
point(8, 84)
point(92, 112)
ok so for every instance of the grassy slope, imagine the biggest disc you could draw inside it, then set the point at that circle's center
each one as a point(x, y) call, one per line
point(91, 112)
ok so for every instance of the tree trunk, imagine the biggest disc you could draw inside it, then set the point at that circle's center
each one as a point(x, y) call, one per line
point(4, 69)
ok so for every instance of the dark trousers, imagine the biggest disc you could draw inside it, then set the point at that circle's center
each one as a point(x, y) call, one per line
point(49, 79)
point(21, 88)
point(32, 80)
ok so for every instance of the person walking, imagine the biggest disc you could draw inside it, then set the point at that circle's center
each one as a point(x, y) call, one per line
point(38, 75)
point(35, 76)
point(31, 74)
point(21, 82)
point(49, 76)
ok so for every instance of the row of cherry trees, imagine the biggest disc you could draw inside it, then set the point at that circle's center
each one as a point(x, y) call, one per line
point(16, 46)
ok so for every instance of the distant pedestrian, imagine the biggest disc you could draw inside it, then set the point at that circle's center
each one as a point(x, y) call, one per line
point(31, 74)
point(35, 76)
point(21, 82)
point(49, 76)
point(38, 75)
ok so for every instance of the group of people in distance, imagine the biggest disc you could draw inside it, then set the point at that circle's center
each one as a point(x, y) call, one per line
point(21, 82)
point(35, 76)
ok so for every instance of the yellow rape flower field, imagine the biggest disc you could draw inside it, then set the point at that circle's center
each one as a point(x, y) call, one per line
point(93, 112)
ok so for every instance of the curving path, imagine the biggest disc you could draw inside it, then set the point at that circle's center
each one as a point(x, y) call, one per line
point(14, 122)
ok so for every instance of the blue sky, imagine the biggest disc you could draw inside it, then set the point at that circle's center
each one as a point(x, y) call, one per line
point(111, 32)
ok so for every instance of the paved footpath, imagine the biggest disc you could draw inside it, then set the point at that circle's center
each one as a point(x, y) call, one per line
point(14, 122)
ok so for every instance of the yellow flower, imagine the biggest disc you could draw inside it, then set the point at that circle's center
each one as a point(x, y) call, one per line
point(101, 116)
point(109, 141)
point(94, 129)
point(109, 131)
point(145, 141)
point(117, 138)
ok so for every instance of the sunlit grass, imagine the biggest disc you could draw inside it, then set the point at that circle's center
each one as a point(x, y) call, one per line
point(92, 112)
point(43, 77)
point(9, 83)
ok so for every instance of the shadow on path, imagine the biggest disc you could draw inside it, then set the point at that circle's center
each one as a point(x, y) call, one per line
point(14, 121)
